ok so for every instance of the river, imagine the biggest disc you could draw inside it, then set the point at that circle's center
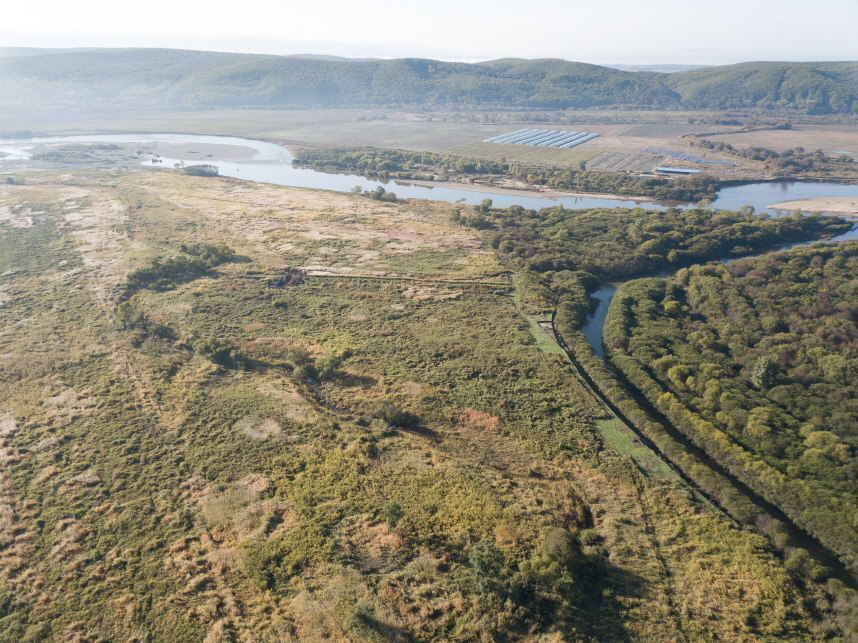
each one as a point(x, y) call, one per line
point(273, 164)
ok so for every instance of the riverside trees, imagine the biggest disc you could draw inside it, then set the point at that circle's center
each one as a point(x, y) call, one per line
point(759, 367)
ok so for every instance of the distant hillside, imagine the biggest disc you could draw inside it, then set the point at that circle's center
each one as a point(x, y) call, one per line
point(814, 88)
point(110, 79)
point(666, 68)
point(38, 51)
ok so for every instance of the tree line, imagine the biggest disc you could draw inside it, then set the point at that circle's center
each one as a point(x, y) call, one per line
point(386, 164)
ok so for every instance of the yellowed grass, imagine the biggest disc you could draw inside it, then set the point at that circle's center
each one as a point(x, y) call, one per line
point(528, 153)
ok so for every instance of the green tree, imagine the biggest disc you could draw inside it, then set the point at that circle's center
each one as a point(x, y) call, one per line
point(765, 371)
point(487, 561)
point(391, 513)
point(484, 206)
point(327, 366)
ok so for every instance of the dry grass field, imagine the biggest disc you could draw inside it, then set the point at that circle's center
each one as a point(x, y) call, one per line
point(380, 128)
point(527, 153)
point(828, 138)
point(152, 491)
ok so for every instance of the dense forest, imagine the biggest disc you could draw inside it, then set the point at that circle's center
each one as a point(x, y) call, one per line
point(401, 164)
point(756, 362)
point(812, 88)
point(560, 255)
point(165, 78)
point(621, 242)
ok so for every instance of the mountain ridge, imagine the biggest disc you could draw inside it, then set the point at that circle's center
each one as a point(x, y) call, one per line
point(104, 79)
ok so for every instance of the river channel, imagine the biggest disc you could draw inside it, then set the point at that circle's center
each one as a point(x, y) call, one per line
point(273, 164)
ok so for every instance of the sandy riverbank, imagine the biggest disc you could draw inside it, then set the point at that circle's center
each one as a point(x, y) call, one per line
point(845, 205)
point(202, 151)
point(546, 194)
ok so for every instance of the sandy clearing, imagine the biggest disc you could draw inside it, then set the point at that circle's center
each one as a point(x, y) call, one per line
point(847, 205)
point(828, 140)
point(284, 214)
point(203, 151)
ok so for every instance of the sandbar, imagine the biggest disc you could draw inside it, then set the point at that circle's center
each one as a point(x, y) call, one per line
point(201, 151)
point(845, 205)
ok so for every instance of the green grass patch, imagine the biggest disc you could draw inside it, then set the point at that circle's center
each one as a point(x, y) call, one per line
point(543, 340)
point(527, 153)
point(616, 435)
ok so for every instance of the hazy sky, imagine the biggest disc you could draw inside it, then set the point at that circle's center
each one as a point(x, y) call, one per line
point(598, 31)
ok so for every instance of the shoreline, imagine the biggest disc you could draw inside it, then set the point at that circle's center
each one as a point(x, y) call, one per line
point(836, 205)
point(536, 194)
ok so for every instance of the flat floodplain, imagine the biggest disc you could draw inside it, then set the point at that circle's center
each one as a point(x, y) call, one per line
point(828, 138)
point(150, 491)
point(527, 153)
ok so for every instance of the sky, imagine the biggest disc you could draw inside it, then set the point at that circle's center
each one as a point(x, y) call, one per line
point(706, 32)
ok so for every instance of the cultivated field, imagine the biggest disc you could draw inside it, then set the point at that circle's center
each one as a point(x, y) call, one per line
point(669, 130)
point(380, 128)
point(828, 138)
point(620, 162)
point(527, 153)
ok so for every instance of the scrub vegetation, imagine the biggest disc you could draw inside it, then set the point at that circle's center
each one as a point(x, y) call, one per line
point(622, 242)
point(239, 412)
point(796, 163)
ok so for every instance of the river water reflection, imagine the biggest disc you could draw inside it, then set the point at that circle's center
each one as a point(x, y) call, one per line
point(273, 164)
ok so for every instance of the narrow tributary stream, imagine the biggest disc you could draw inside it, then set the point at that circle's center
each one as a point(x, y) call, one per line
point(593, 328)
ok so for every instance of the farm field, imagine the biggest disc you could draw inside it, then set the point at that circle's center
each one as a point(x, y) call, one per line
point(412, 135)
point(620, 132)
point(669, 130)
point(620, 162)
point(379, 450)
point(381, 128)
point(829, 138)
point(628, 143)
point(527, 153)
point(620, 142)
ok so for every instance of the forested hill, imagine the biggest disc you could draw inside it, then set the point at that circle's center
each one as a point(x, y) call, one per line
point(813, 88)
point(109, 79)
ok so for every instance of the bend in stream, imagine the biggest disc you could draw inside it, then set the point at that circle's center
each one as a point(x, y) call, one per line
point(273, 164)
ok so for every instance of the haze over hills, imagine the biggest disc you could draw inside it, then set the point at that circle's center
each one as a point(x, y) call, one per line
point(110, 79)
